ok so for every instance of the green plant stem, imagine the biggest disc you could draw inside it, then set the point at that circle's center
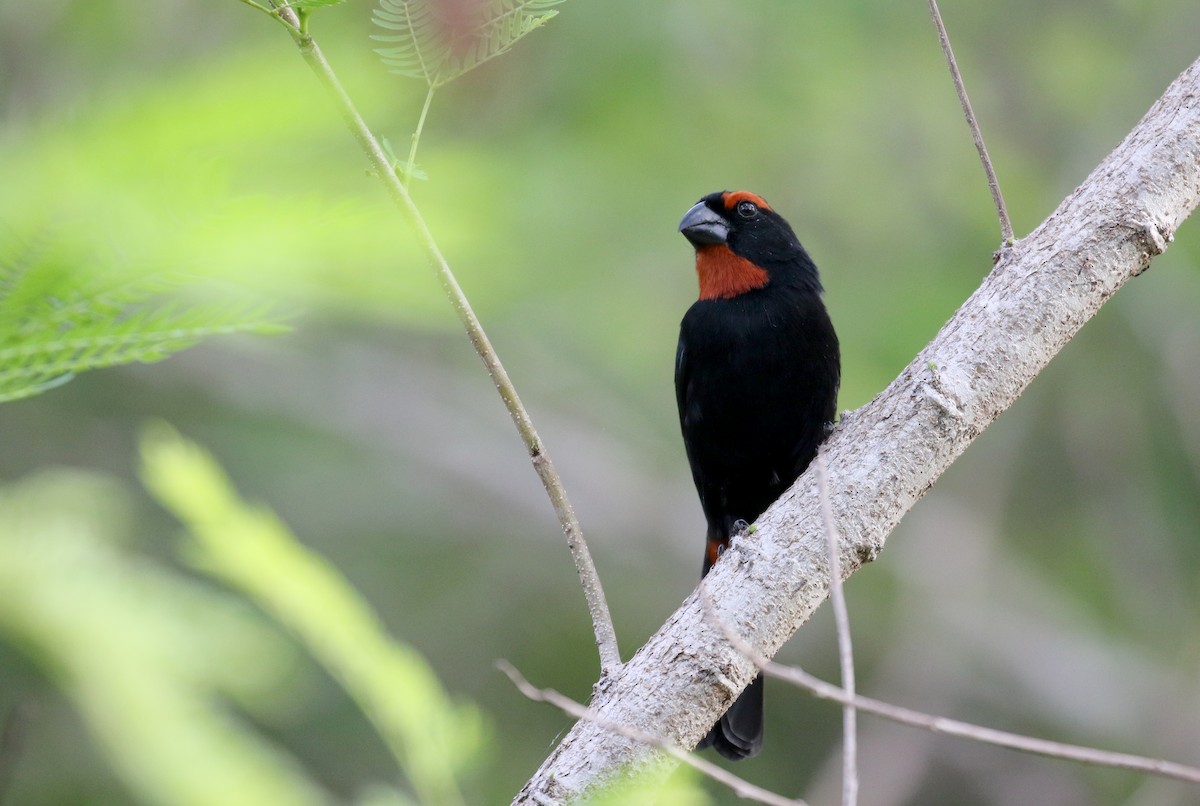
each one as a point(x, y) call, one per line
point(255, 5)
point(606, 639)
point(416, 138)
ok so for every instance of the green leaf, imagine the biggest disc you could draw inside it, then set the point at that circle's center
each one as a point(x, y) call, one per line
point(150, 659)
point(432, 737)
point(437, 46)
point(414, 172)
point(62, 313)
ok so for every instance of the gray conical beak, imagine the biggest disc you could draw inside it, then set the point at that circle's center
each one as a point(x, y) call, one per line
point(702, 226)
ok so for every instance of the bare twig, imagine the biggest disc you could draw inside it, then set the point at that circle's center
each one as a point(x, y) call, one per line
point(953, 727)
point(741, 787)
point(979, 733)
point(1006, 230)
point(845, 649)
point(606, 638)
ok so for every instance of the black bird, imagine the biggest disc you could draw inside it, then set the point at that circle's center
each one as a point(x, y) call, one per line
point(756, 378)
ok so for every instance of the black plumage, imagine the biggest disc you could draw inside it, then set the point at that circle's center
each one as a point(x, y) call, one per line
point(756, 379)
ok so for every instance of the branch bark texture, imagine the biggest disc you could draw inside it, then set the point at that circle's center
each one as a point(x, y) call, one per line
point(886, 455)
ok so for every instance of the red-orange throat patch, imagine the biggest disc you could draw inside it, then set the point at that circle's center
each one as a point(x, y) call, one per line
point(724, 275)
point(732, 198)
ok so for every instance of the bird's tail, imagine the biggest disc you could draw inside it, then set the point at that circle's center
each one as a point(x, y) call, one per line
point(739, 733)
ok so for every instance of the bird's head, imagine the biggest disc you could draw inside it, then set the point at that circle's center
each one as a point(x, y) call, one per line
point(742, 244)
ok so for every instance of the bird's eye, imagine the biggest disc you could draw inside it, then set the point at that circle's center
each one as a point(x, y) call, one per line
point(747, 209)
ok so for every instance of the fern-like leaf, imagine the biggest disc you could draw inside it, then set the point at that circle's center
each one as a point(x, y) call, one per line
point(57, 319)
point(439, 40)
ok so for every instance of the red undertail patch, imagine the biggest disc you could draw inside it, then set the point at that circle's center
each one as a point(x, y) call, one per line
point(712, 551)
point(724, 275)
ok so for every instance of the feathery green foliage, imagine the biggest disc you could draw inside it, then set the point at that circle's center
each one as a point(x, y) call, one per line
point(432, 737)
point(62, 313)
point(150, 659)
point(440, 42)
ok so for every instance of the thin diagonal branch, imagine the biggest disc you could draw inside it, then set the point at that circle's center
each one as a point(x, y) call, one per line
point(741, 787)
point(1006, 230)
point(841, 618)
point(953, 727)
point(606, 638)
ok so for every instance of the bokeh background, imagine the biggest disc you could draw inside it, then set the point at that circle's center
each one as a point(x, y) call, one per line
point(1050, 581)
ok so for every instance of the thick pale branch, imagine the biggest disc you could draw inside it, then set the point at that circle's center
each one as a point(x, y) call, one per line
point(886, 455)
point(741, 788)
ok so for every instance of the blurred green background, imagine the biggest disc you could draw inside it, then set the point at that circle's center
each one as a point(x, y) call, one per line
point(1049, 583)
